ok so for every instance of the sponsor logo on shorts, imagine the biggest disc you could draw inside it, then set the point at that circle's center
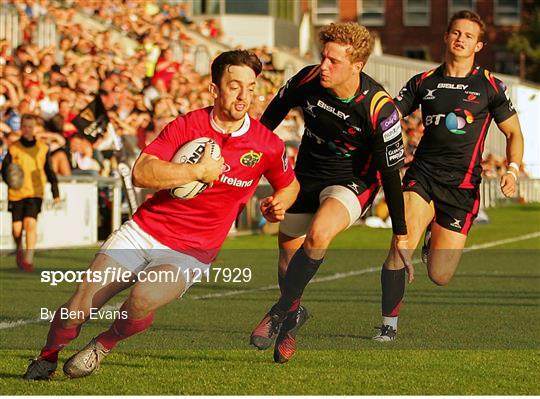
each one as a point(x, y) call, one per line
point(394, 153)
point(251, 158)
point(394, 132)
point(429, 95)
point(353, 186)
point(456, 223)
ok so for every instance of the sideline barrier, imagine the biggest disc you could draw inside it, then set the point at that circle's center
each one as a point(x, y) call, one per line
point(73, 222)
point(491, 196)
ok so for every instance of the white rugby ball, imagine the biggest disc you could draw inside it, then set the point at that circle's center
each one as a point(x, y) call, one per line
point(191, 153)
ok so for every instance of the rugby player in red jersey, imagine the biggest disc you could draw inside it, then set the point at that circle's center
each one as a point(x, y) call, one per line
point(168, 234)
point(352, 142)
point(458, 101)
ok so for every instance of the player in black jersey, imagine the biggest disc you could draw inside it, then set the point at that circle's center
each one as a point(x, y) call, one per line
point(458, 100)
point(352, 138)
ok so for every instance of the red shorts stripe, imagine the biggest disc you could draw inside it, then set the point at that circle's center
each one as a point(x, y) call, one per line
point(471, 215)
point(368, 195)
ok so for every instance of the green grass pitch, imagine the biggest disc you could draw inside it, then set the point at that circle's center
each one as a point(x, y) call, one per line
point(478, 335)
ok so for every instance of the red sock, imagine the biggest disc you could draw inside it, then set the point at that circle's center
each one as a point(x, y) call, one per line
point(122, 329)
point(58, 337)
point(295, 305)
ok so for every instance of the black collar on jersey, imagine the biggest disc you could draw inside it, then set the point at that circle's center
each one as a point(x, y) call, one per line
point(472, 72)
point(28, 143)
point(358, 96)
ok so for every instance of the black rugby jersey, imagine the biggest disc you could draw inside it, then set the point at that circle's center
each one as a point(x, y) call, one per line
point(456, 113)
point(342, 140)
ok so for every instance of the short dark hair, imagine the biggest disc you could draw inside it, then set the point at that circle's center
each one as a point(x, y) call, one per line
point(234, 57)
point(28, 117)
point(471, 16)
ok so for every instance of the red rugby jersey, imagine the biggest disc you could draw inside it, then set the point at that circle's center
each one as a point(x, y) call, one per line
point(199, 226)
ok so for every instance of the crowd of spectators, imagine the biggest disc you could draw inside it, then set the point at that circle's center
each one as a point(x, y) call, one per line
point(142, 90)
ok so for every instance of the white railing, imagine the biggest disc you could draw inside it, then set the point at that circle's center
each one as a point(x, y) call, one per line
point(9, 25)
point(491, 195)
point(45, 34)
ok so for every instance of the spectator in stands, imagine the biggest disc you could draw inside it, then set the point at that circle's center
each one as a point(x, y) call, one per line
point(82, 156)
point(54, 138)
point(63, 80)
point(166, 68)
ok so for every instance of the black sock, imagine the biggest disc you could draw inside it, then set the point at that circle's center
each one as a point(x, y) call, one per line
point(281, 281)
point(393, 289)
point(296, 302)
point(299, 273)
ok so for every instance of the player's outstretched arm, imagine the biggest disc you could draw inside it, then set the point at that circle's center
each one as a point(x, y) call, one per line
point(514, 154)
point(151, 172)
point(273, 208)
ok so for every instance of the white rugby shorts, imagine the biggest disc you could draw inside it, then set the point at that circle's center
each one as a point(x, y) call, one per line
point(297, 224)
point(137, 250)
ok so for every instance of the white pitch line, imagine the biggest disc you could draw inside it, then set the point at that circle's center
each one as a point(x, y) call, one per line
point(338, 276)
point(10, 324)
point(332, 277)
point(502, 242)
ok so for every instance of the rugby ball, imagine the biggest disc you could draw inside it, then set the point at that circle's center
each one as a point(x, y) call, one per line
point(191, 153)
point(14, 176)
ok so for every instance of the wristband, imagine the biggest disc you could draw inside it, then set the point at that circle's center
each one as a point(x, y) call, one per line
point(509, 172)
point(514, 165)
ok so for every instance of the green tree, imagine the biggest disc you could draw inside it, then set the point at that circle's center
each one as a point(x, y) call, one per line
point(526, 42)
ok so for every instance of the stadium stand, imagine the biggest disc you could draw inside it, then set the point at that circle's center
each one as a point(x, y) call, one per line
point(148, 64)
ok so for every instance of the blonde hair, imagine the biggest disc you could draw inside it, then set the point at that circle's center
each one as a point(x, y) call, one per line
point(352, 34)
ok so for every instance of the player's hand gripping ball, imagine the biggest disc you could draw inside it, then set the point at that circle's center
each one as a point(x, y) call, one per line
point(192, 152)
